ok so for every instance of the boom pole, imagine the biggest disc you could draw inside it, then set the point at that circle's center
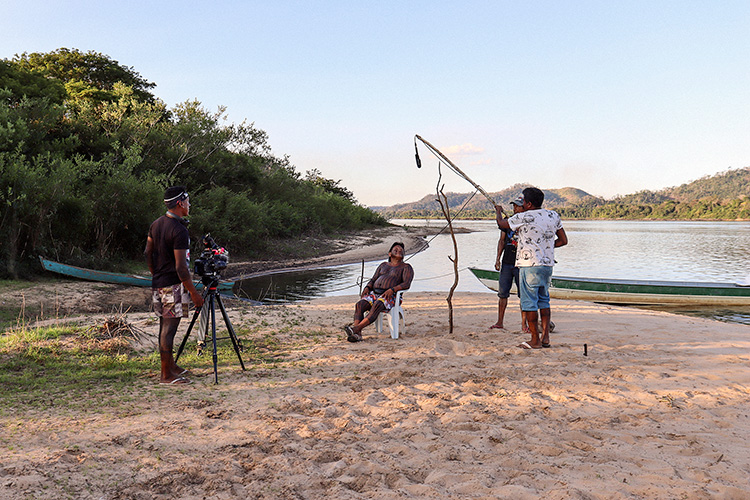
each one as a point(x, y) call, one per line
point(455, 168)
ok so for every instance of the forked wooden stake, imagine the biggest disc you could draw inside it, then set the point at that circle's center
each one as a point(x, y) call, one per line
point(443, 200)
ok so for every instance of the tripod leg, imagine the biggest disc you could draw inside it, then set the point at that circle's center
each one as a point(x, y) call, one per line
point(213, 338)
point(187, 334)
point(202, 329)
point(190, 328)
point(235, 341)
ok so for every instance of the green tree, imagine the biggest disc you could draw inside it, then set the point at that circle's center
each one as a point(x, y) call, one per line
point(329, 185)
point(86, 75)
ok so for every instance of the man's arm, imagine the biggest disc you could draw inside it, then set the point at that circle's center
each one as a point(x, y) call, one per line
point(500, 248)
point(502, 222)
point(370, 286)
point(183, 271)
point(406, 278)
point(149, 253)
point(562, 238)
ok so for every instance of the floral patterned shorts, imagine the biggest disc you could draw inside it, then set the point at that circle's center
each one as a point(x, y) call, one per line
point(388, 303)
point(171, 301)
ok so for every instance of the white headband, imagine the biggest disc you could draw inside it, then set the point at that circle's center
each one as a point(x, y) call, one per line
point(181, 197)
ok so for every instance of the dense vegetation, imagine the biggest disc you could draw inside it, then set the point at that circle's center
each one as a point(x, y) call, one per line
point(86, 151)
point(724, 196)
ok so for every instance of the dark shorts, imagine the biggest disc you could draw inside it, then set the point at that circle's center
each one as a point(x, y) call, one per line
point(171, 301)
point(508, 274)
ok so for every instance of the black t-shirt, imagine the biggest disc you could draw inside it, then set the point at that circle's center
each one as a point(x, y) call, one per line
point(509, 250)
point(168, 234)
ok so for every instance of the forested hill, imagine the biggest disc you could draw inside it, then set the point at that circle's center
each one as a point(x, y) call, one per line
point(87, 149)
point(724, 196)
point(472, 205)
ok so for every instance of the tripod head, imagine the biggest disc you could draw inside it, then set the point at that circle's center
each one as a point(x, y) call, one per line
point(210, 282)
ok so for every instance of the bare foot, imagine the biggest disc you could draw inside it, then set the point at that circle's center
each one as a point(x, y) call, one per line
point(499, 326)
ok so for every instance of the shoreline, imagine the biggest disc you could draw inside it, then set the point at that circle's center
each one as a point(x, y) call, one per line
point(366, 245)
point(50, 300)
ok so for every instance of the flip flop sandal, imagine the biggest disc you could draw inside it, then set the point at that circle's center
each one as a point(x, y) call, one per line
point(526, 345)
point(178, 381)
point(351, 336)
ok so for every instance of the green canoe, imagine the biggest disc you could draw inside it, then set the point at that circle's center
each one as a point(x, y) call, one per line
point(107, 277)
point(637, 292)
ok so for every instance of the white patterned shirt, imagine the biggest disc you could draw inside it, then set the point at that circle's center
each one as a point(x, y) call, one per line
point(536, 231)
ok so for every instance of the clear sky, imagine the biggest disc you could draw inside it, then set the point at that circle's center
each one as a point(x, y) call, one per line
point(610, 97)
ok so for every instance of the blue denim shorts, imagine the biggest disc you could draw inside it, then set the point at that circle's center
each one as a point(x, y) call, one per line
point(534, 288)
point(508, 274)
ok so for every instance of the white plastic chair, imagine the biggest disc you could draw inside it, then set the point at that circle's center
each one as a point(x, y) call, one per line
point(396, 318)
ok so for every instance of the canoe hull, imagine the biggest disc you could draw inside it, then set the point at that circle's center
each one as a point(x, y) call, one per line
point(107, 277)
point(637, 292)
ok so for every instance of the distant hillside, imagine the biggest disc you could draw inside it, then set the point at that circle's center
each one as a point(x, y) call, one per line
point(478, 206)
point(724, 186)
point(723, 196)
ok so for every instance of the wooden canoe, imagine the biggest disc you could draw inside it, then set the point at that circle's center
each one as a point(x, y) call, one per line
point(636, 292)
point(107, 277)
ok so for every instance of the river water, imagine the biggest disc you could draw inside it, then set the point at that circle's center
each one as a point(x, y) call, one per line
point(675, 251)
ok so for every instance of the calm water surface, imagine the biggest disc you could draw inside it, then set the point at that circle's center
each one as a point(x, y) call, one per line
point(678, 251)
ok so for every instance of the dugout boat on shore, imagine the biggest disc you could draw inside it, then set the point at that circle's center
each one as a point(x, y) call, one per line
point(114, 278)
point(636, 292)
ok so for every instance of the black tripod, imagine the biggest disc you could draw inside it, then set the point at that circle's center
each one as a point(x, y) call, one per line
point(210, 297)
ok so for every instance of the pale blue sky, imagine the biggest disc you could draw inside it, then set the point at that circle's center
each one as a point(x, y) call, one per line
point(609, 97)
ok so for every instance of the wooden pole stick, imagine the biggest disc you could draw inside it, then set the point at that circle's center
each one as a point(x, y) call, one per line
point(443, 200)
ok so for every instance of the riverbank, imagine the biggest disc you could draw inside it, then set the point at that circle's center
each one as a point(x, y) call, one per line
point(56, 298)
point(369, 245)
point(657, 409)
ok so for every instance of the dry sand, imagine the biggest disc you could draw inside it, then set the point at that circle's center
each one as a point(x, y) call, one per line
point(659, 409)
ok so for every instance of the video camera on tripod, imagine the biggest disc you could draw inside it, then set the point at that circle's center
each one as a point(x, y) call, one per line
point(212, 260)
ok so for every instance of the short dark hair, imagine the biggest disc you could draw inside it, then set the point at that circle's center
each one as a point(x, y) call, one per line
point(533, 195)
point(174, 194)
point(397, 244)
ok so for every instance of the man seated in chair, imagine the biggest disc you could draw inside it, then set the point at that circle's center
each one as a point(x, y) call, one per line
point(380, 293)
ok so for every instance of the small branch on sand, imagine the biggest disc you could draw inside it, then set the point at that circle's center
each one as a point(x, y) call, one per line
point(118, 326)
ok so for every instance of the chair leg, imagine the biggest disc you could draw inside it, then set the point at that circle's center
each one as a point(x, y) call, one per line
point(394, 324)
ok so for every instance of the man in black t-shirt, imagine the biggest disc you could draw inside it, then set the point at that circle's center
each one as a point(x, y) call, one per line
point(167, 254)
point(506, 264)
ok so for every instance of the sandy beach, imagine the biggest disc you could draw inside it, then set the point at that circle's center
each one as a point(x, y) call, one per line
point(658, 409)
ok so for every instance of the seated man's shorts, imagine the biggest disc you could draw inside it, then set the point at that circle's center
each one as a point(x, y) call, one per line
point(508, 274)
point(171, 301)
point(535, 282)
point(388, 303)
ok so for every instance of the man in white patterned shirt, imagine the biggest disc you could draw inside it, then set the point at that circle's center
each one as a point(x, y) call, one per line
point(539, 232)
